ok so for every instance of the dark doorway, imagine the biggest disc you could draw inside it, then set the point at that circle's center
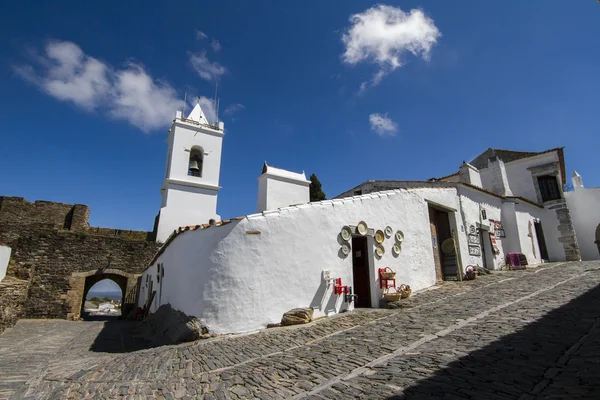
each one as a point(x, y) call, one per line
point(445, 263)
point(487, 251)
point(360, 272)
point(539, 233)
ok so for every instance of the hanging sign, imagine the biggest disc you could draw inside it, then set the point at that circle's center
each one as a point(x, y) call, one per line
point(498, 229)
point(494, 245)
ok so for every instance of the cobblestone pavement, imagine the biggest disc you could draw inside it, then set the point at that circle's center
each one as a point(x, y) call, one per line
point(512, 335)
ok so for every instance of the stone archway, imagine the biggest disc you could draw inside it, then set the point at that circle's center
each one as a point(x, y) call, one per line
point(91, 280)
point(81, 283)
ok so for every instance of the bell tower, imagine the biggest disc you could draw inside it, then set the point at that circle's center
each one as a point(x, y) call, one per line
point(189, 192)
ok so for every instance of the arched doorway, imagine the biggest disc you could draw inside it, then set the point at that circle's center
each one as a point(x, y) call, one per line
point(597, 241)
point(103, 299)
point(80, 284)
point(97, 279)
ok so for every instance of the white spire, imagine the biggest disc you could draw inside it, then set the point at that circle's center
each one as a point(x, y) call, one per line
point(577, 180)
point(198, 115)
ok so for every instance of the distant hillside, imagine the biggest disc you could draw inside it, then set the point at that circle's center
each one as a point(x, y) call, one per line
point(101, 295)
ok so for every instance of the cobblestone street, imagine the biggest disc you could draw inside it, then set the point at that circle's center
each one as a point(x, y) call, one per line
point(510, 335)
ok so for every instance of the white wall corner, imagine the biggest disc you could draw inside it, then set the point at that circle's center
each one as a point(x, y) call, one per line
point(469, 174)
point(4, 259)
point(499, 177)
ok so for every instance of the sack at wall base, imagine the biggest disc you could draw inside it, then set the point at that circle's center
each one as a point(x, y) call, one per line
point(297, 316)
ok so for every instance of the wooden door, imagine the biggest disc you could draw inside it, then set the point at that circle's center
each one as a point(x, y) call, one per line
point(437, 258)
point(360, 271)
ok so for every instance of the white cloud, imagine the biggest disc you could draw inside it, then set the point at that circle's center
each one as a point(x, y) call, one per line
point(201, 35)
point(216, 46)
point(382, 125)
point(205, 68)
point(383, 34)
point(141, 100)
point(131, 94)
point(233, 108)
point(70, 75)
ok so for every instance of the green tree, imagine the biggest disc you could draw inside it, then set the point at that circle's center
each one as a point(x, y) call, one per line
point(95, 299)
point(107, 299)
point(316, 192)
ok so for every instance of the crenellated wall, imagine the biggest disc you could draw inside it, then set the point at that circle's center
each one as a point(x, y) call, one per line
point(53, 250)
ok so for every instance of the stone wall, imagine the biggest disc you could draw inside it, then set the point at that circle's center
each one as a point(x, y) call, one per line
point(566, 229)
point(13, 293)
point(54, 249)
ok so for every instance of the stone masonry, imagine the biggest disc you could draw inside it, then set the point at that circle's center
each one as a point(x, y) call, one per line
point(566, 229)
point(54, 250)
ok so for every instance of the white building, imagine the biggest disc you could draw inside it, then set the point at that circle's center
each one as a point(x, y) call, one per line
point(280, 188)
point(583, 204)
point(241, 274)
point(191, 185)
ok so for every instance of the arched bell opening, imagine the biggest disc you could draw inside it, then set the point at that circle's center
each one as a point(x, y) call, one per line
point(196, 161)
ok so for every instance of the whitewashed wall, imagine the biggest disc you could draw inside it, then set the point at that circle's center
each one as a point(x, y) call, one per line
point(241, 276)
point(236, 282)
point(473, 201)
point(519, 177)
point(4, 259)
point(182, 137)
point(584, 205)
point(190, 200)
point(528, 241)
point(275, 192)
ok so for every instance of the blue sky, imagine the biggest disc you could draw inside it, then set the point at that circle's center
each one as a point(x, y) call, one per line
point(104, 286)
point(88, 90)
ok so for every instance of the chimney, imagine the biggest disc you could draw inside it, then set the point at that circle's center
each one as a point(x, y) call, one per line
point(498, 176)
point(469, 174)
point(280, 188)
point(577, 180)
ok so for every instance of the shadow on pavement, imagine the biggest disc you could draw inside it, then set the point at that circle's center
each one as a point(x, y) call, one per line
point(120, 336)
point(534, 362)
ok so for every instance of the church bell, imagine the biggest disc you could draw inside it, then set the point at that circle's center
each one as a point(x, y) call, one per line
point(194, 166)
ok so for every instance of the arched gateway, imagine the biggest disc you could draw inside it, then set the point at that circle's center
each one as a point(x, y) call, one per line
point(82, 282)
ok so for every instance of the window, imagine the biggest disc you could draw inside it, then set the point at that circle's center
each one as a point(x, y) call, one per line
point(549, 188)
point(196, 161)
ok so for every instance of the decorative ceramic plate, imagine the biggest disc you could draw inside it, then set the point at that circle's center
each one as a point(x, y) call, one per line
point(379, 237)
point(396, 249)
point(388, 231)
point(380, 250)
point(362, 228)
point(399, 236)
point(345, 249)
point(346, 233)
